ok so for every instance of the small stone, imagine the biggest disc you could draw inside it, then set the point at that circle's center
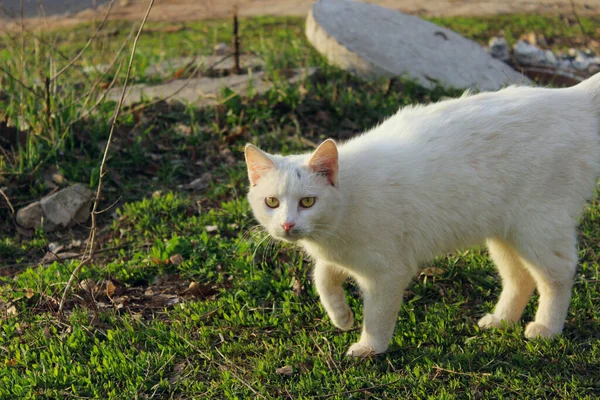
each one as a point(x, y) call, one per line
point(200, 183)
point(30, 217)
point(550, 58)
point(529, 54)
point(67, 207)
point(535, 39)
point(183, 130)
point(222, 49)
point(211, 228)
point(573, 52)
point(54, 247)
point(285, 370)
point(581, 62)
point(589, 53)
point(176, 259)
point(499, 48)
point(565, 64)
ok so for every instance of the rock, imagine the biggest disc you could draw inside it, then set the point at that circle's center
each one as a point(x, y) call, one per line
point(551, 58)
point(53, 178)
point(529, 54)
point(30, 217)
point(536, 39)
point(221, 49)
point(581, 62)
point(217, 62)
point(499, 48)
point(371, 41)
point(67, 207)
point(203, 91)
point(198, 184)
point(565, 64)
point(573, 52)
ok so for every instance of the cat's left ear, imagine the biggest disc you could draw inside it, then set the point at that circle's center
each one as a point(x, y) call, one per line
point(258, 163)
point(325, 161)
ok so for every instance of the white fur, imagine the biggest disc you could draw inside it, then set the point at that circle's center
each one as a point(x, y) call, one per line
point(511, 168)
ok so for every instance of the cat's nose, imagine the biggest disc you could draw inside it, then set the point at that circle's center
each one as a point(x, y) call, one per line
point(287, 226)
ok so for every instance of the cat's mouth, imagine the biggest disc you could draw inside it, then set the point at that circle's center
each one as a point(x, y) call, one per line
point(290, 237)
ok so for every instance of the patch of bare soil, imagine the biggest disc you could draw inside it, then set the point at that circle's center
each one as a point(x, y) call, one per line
point(147, 301)
point(191, 10)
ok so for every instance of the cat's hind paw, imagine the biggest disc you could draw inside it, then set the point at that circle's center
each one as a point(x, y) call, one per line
point(490, 321)
point(345, 321)
point(359, 350)
point(536, 330)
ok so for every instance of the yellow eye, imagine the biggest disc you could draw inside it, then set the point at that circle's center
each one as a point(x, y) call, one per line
point(272, 202)
point(307, 202)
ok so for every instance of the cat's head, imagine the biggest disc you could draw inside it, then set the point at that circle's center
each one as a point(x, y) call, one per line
point(295, 197)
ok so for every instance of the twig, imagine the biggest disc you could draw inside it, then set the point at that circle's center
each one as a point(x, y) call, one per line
point(440, 369)
point(585, 38)
point(19, 82)
point(47, 106)
point(12, 210)
point(89, 251)
point(236, 42)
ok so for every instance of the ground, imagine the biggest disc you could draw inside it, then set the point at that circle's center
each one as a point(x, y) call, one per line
point(193, 10)
point(185, 297)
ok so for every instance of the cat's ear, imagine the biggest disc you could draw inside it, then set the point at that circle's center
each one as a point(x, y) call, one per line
point(258, 163)
point(325, 161)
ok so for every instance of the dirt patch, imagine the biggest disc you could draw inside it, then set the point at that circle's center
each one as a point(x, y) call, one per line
point(148, 301)
point(191, 10)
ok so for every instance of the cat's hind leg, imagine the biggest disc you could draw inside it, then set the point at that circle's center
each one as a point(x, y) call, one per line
point(328, 280)
point(517, 286)
point(552, 265)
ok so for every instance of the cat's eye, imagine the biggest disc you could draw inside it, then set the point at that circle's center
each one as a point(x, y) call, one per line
point(272, 202)
point(307, 202)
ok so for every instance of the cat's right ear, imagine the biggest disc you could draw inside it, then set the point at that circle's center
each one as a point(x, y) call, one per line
point(258, 163)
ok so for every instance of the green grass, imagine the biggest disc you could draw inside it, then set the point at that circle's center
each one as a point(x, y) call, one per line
point(254, 309)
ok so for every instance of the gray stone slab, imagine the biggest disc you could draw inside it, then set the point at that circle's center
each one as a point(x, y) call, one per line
point(220, 62)
point(203, 91)
point(372, 41)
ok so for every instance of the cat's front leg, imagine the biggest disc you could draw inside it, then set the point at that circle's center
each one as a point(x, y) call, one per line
point(328, 280)
point(382, 301)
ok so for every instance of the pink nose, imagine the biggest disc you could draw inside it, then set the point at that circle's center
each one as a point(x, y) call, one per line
point(287, 226)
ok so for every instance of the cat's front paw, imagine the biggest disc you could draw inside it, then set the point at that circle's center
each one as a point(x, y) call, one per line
point(536, 330)
point(364, 350)
point(490, 321)
point(343, 321)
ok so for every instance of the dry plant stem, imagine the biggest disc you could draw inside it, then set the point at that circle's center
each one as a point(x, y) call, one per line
point(236, 42)
point(24, 86)
point(585, 38)
point(12, 210)
point(89, 251)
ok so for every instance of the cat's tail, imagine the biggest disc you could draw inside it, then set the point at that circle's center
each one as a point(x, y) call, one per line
point(592, 86)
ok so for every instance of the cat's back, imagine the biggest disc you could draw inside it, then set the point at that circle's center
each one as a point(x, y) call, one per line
point(508, 119)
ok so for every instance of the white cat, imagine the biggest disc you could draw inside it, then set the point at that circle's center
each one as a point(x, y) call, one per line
point(511, 168)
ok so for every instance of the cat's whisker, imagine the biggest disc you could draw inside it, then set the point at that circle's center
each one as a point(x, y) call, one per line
point(258, 246)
